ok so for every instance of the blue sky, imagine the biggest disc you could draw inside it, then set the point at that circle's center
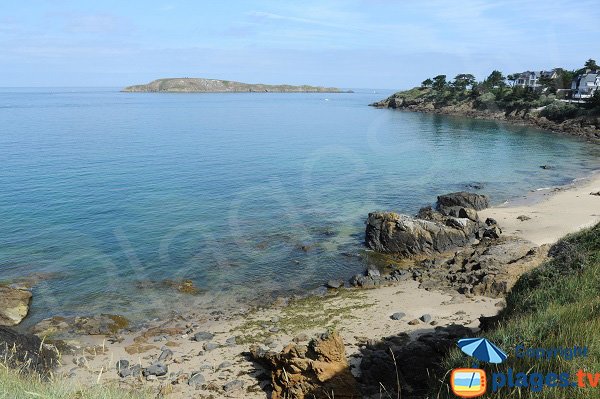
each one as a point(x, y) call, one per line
point(346, 43)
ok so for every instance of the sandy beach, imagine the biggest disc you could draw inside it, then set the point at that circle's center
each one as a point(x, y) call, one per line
point(359, 315)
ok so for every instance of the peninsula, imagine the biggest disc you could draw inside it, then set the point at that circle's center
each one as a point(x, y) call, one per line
point(201, 85)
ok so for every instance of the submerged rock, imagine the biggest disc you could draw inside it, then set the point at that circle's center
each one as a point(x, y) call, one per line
point(14, 305)
point(104, 324)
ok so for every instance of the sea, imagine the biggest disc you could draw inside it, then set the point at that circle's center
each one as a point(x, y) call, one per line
point(105, 195)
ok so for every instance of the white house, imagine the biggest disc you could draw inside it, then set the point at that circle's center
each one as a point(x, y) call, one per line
point(585, 85)
point(531, 79)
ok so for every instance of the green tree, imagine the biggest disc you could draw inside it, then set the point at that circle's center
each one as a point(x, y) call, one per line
point(512, 78)
point(439, 83)
point(594, 100)
point(463, 80)
point(427, 83)
point(496, 79)
point(591, 64)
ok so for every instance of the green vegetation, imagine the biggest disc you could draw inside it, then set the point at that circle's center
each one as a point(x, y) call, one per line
point(555, 305)
point(496, 95)
point(19, 385)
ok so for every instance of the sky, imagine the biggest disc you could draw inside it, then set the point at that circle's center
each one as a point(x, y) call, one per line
point(346, 43)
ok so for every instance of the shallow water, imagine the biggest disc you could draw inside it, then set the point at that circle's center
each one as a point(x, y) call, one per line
point(246, 194)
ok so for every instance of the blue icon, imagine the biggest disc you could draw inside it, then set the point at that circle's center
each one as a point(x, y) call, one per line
point(482, 349)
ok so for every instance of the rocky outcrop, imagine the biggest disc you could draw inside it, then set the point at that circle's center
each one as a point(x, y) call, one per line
point(200, 85)
point(318, 370)
point(454, 201)
point(489, 268)
point(409, 236)
point(26, 351)
point(14, 305)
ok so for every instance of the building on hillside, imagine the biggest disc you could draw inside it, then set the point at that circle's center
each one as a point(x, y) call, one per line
point(531, 79)
point(585, 85)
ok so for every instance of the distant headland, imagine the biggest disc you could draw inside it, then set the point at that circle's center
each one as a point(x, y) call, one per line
point(200, 85)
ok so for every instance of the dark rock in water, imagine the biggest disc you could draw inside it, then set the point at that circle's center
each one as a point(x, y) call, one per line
point(335, 284)
point(426, 318)
point(26, 351)
point(462, 199)
point(547, 167)
point(14, 305)
point(475, 186)
point(233, 386)
point(157, 369)
point(122, 365)
point(398, 316)
point(203, 336)
point(196, 379)
point(392, 232)
point(318, 370)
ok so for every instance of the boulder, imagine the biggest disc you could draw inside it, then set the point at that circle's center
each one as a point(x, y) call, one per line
point(462, 199)
point(318, 370)
point(26, 351)
point(14, 305)
point(408, 236)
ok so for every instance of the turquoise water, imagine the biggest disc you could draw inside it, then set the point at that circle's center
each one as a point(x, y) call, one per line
point(246, 194)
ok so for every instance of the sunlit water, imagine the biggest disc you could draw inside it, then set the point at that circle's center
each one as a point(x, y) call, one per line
point(249, 195)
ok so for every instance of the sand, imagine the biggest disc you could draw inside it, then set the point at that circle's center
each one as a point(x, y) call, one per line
point(560, 211)
point(358, 315)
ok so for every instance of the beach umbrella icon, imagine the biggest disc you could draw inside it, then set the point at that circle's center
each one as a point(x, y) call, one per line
point(482, 349)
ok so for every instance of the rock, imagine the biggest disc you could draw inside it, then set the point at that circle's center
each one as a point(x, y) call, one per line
point(492, 232)
point(547, 167)
point(335, 284)
point(203, 336)
point(224, 365)
point(196, 379)
point(490, 222)
point(462, 199)
point(373, 273)
point(26, 352)
point(123, 373)
point(151, 377)
point(426, 318)
point(468, 213)
point(209, 346)
point(301, 338)
point(407, 236)
point(14, 305)
point(233, 386)
point(414, 322)
point(122, 365)
point(231, 341)
point(103, 324)
point(316, 370)
point(165, 355)
point(156, 369)
point(398, 316)
point(597, 193)
point(523, 218)
point(476, 186)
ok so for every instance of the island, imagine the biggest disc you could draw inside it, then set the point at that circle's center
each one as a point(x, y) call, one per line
point(201, 85)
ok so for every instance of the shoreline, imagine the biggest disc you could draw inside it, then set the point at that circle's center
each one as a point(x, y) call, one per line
point(360, 315)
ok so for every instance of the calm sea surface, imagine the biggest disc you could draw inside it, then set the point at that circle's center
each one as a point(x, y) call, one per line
point(248, 195)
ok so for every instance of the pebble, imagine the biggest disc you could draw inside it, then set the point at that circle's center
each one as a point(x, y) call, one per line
point(122, 364)
point(398, 315)
point(224, 365)
point(156, 369)
point(203, 336)
point(166, 355)
point(151, 377)
point(209, 346)
point(196, 379)
point(426, 318)
point(414, 322)
point(274, 329)
point(231, 341)
point(233, 386)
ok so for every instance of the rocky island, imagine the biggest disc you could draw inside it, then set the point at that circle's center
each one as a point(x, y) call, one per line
point(201, 85)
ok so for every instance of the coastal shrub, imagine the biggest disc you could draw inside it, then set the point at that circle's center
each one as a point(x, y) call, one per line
point(556, 305)
point(560, 111)
point(486, 101)
point(19, 385)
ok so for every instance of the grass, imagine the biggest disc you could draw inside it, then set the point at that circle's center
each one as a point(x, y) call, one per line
point(555, 305)
point(20, 385)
